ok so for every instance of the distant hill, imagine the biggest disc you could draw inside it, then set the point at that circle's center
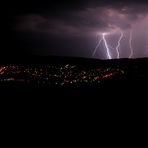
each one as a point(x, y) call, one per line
point(72, 60)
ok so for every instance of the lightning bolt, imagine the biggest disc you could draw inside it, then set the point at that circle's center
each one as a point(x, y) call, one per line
point(97, 47)
point(118, 45)
point(130, 44)
point(106, 46)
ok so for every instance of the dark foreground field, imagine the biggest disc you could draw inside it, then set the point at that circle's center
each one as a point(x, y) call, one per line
point(118, 102)
point(122, 79)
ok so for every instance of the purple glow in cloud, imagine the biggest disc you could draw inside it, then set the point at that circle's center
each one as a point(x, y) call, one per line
point(76, 29)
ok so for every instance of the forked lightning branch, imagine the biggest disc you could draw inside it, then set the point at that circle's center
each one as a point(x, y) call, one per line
point(117, 49)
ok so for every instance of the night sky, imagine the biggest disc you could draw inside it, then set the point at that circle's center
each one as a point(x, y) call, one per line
point(74, 28)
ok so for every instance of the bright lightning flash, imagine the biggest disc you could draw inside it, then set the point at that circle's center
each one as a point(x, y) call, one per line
point(118, 46)
point(130, 44)
point(106, 46)
point(97, 47)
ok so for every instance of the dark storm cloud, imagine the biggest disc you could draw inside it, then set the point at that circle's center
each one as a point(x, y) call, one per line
point(79, 18)
point(56, 8)
point(75, 21)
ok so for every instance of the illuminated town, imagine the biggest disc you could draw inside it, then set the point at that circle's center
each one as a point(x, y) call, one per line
point(57, 75)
